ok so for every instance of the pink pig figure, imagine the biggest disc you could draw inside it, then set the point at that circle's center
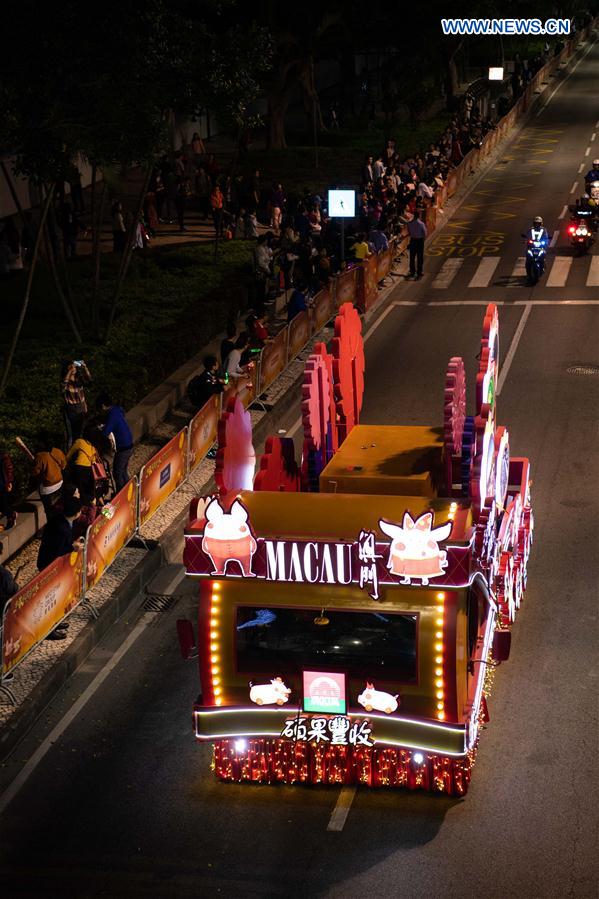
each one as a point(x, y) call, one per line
point(415, 549)
point(227, 538)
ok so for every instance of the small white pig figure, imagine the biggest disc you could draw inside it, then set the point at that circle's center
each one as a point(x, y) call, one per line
point(414, 551)
point(269, 694)
point(228, 538)
point(378, 700)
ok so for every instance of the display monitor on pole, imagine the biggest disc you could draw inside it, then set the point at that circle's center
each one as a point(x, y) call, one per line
point(342, 205)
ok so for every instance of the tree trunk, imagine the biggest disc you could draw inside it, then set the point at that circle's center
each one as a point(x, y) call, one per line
point(277, 108)
point(127, 253)
point(311, 98)
point(97, 257)
point(451, 77)
point(27, 295)
point(64, 294)
point(70, 317)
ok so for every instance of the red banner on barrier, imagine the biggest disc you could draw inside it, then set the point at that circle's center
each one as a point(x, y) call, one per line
point(273, 360)
point(110, 532)
point(203, 429)
point(34, 611)
point(299, 331)
point(367, 284)
point(323, 308)
point(383, 264)
point(346, 287)
point(162, 475)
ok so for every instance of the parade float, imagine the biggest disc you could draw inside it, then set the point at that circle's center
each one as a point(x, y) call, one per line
point(352, 607)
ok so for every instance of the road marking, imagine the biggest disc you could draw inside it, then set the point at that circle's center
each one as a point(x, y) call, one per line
point(593, 136)
point(569, 75)
point(438, 303)
point(580, 168)
point(513, 347)
point(341, 810)
point(587, 151)
point(57, 731)
point(559, 271)
point(593, 275)
point(563, 212)
point(554, 238)
point(485, 271)
point(447, 273)
point(574, 186)
point(519, 272)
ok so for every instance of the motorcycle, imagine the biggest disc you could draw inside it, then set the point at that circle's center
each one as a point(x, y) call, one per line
point(581, 235)
point(535, 259)
point(592, 189)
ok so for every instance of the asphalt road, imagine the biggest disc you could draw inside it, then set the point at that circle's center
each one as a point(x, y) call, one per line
point(123, 803)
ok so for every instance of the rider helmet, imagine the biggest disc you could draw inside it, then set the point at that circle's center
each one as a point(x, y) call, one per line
point(596, 163)
point(537, 220)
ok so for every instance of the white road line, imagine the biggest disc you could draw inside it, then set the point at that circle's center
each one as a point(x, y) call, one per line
point(554, 239)
point(587, 151)
point(580, 168)
point(513, 347)
point(447, 273)
point(341, 810)
point(57, 731)
point(593, 136)
point(519, 272)
point(593, 275)
point(574, 186)
point(569, 75)
point(485, 271)
point(559, 271)
point(563, 212)
point(441, 303)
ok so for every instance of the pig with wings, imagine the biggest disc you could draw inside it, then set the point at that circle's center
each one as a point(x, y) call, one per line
point(414, 552)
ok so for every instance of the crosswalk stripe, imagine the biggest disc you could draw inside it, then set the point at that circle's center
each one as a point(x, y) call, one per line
point(485, 271)
point(593, 275)
point(447, 273)
point(518, 272)
point(559, 271)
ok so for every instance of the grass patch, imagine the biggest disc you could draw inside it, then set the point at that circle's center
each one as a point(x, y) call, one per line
point(174, 301)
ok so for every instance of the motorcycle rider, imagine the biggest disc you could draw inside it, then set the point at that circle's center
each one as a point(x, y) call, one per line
point(593, 174)
point(538, 233)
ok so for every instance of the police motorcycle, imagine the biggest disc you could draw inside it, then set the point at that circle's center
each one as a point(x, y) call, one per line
point(580, 231)
point(591, 181)
point(537, 241)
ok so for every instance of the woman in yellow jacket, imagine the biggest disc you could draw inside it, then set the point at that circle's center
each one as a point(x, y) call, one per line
point(84, 452)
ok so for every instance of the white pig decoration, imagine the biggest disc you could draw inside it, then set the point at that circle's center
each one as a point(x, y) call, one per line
point(270, 694)
point(378, 700)
point(414, 551)
point(228, 538)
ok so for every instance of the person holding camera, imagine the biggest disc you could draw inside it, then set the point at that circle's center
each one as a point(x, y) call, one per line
point(74, 376)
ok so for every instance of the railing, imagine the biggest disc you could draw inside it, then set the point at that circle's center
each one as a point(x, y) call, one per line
point(55, 592)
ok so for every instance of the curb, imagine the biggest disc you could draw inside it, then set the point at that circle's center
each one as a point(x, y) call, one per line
point(53, 681)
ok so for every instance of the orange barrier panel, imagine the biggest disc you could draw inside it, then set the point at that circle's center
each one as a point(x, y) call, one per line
point(34, 611)
point(346, 287)
point(323, 308)
point(383, 264)
point(162, 475)
point(203, 431)
point(299, 332)
point(367, 284)
point(273, 360)
point(108, 534)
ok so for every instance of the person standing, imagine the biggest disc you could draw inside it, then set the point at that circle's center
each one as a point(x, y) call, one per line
point(75, 375)
point(203, 386)
point(47, 473)
point(6, 485)
point(417, 232)
point(119, 230)
point(216, 204)
point(119, 433)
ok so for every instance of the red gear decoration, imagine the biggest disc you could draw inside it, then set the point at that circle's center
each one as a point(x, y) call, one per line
point(454, 416)
point(489, 345)
point(235, 457)
point(278, 468)
point(320, 349)
point(316, 401)
point(348, 367)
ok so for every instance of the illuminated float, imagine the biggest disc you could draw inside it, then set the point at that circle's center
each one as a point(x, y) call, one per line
point(352, 608)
